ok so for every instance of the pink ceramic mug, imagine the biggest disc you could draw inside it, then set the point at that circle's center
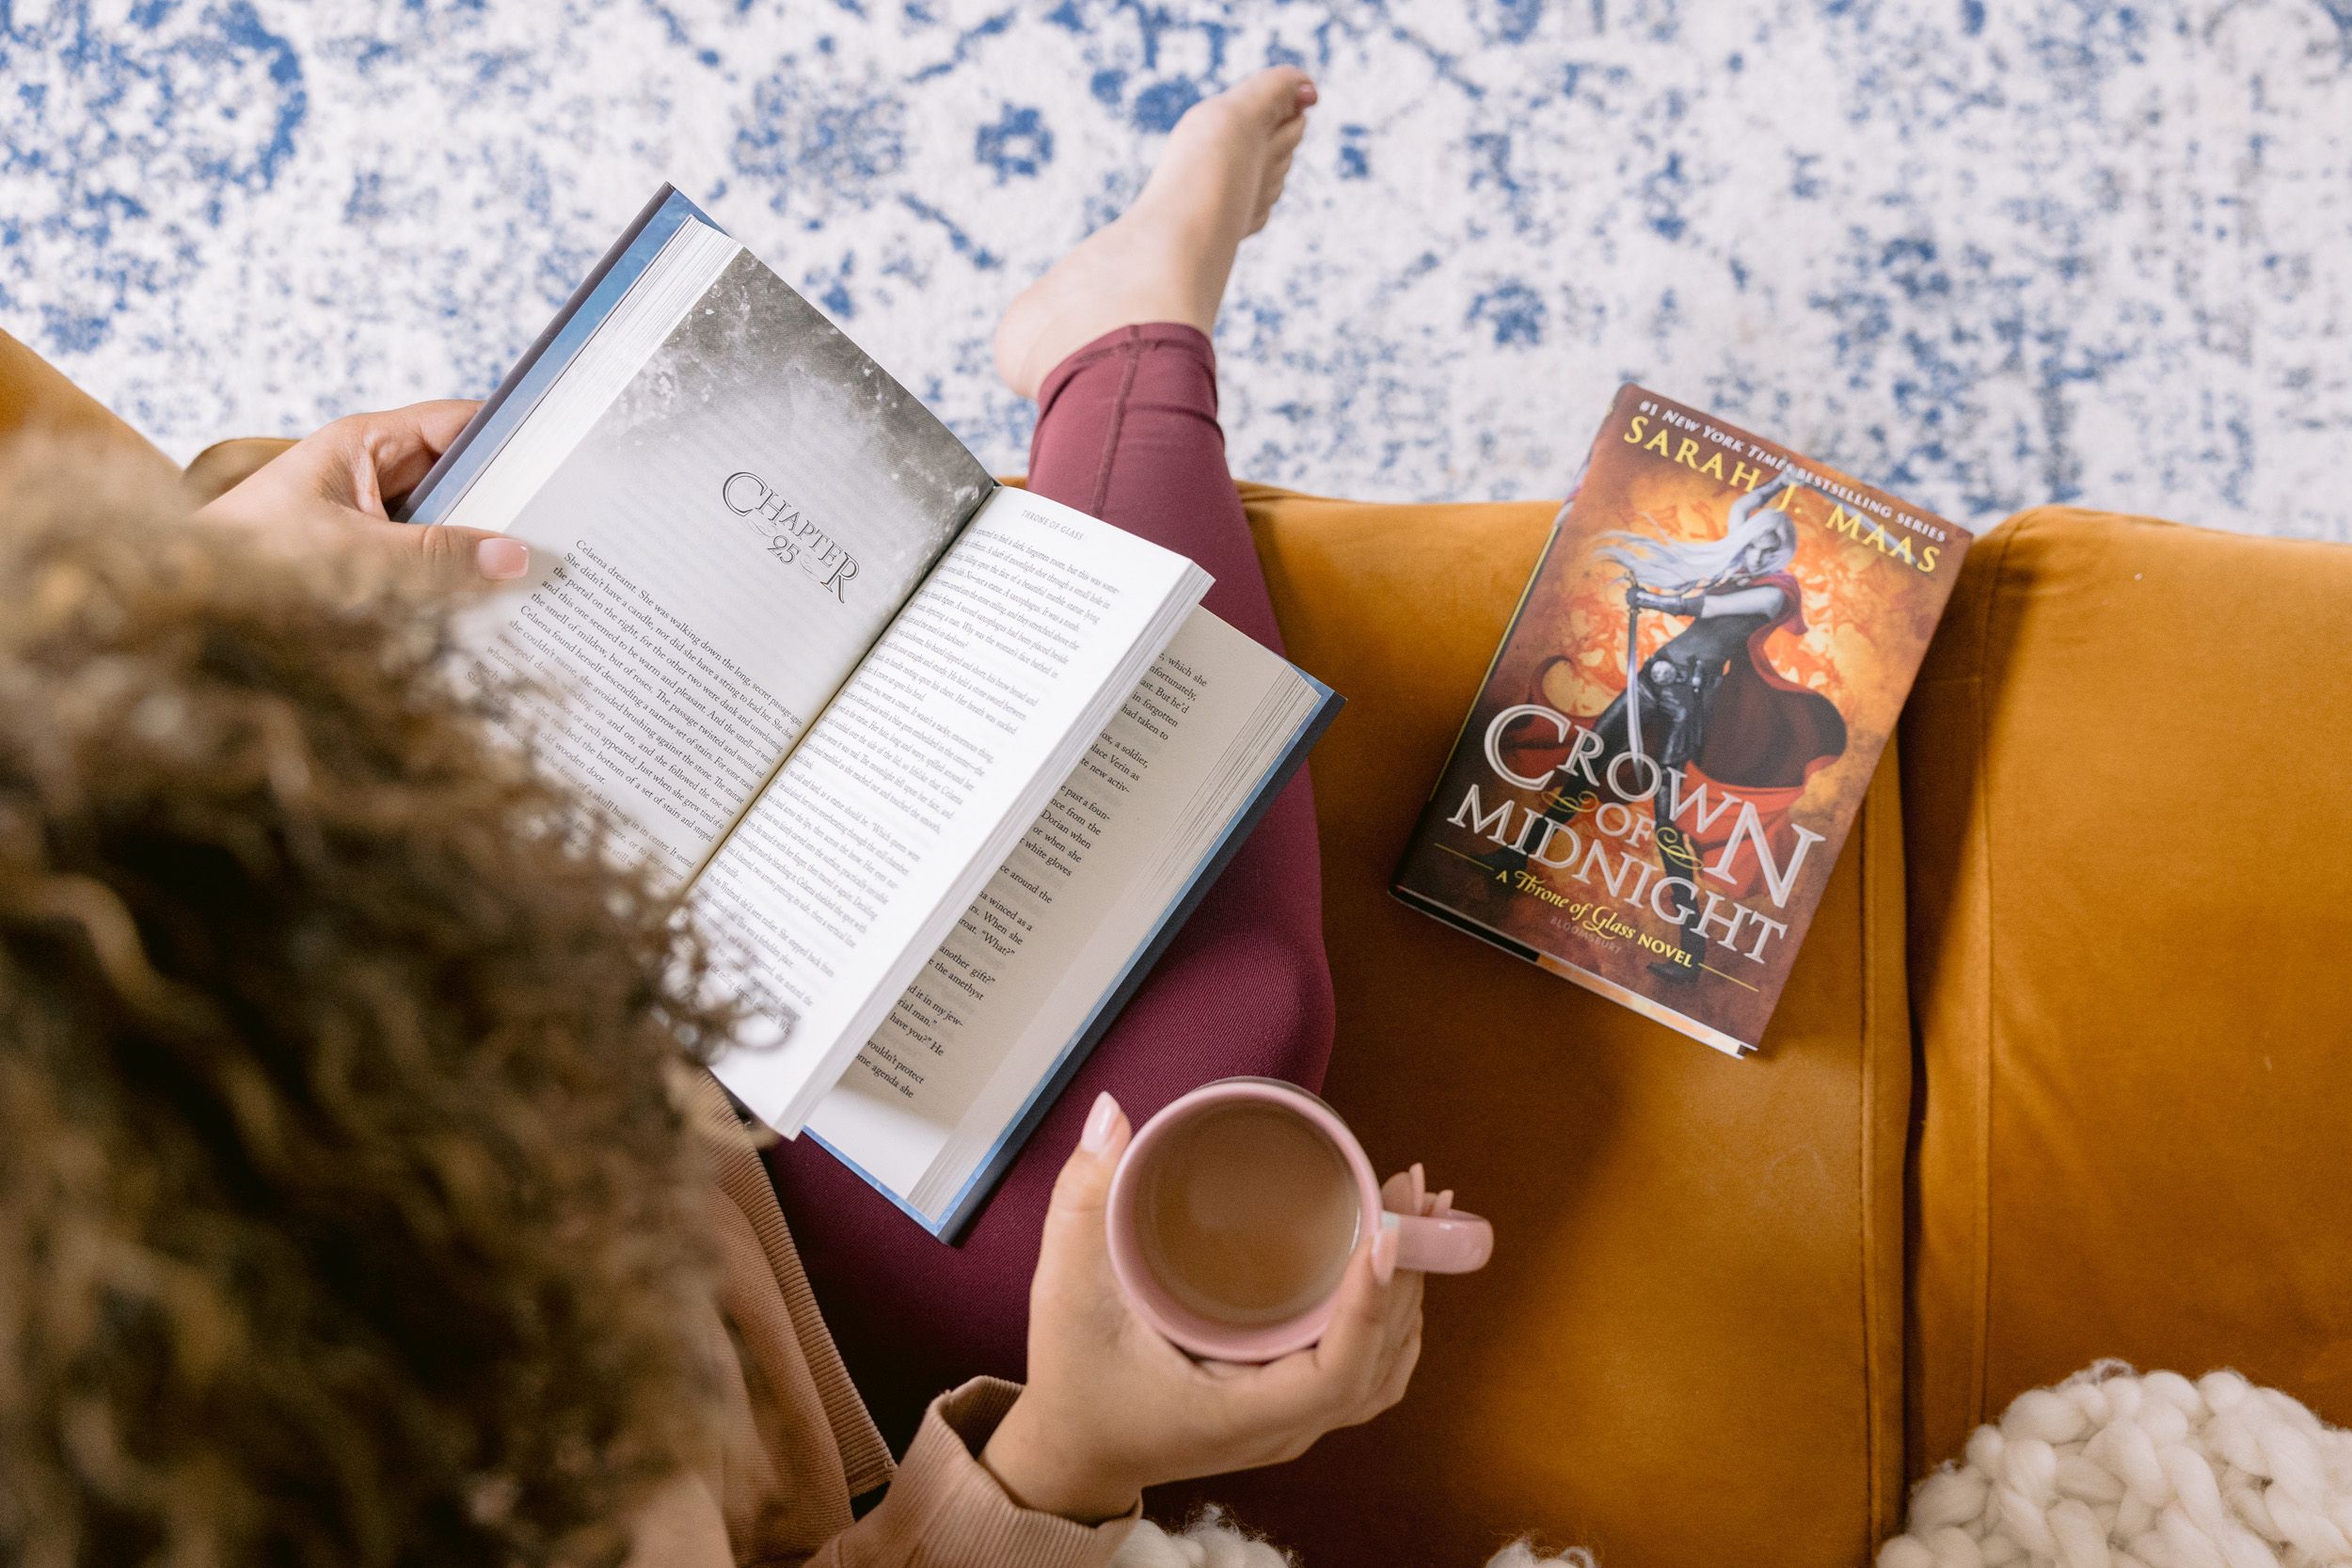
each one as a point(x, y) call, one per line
point(1448, 1244)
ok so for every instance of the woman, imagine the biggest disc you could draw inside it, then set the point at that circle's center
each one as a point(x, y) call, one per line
point(350, 1214)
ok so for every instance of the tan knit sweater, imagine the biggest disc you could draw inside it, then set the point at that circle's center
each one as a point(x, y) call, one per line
point(796, 1445)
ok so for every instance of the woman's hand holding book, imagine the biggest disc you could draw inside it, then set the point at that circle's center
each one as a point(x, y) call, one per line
point(335, 488)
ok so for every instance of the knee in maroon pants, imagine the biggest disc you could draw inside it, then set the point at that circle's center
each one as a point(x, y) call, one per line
point(1127, 431)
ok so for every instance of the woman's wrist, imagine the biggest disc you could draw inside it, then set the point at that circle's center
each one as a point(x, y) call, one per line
point(1040, 1471)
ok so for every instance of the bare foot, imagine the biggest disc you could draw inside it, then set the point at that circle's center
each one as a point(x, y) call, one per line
point(1166, 259)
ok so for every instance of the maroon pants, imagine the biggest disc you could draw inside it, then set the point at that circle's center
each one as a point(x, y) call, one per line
point(1126, 430)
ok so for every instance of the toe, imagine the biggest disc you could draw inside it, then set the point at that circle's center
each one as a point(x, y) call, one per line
point(1278, 94)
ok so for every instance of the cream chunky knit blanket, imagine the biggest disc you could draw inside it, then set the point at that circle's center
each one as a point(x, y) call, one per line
point(2107, 1471)
point(1209, 1542)
point(2113, 1470)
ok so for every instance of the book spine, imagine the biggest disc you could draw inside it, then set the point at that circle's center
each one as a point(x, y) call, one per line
point(1706, 1034)
point(414, 508)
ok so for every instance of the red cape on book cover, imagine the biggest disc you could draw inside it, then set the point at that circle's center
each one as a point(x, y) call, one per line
point(1664, 840)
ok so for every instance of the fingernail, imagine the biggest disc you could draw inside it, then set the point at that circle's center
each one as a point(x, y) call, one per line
point(1100, 1122)
point(1384, 1253)
point(1306, 94)
point(502, 559)
point(1421, 1188)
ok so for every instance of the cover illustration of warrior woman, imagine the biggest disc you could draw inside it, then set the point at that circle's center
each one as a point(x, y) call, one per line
point(1664, 838)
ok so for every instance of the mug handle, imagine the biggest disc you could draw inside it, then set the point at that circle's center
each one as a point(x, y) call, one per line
point(1453, 1243)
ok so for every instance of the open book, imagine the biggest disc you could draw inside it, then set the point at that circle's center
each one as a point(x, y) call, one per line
point(944, 764)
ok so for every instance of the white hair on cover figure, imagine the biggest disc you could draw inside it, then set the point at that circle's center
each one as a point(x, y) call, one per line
point(1757, 539)
point(2113, 1470)
point(1209, 1542)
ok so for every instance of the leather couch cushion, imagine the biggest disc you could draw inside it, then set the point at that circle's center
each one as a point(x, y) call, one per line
point(1688, 1343)
point(224, 465)
point(2127, 779)
point(38, 405)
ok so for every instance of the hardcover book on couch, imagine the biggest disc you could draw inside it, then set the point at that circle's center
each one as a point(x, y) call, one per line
point(1663, 841)
point(944, 764)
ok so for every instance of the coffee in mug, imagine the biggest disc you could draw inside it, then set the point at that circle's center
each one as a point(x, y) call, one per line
point(1234, 1212)
point(1248, 1214)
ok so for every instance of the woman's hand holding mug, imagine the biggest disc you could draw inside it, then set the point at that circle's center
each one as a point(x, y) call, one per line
point(1112, 1406)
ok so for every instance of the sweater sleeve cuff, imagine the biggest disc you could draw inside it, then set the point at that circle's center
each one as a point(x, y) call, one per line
point(947, 1499)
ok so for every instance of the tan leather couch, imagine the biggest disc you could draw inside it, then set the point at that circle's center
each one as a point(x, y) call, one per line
point(2059, 1075)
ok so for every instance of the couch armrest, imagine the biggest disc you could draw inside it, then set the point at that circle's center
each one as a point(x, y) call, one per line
point(2129, 835)
point(224, 465)
point(38, 403)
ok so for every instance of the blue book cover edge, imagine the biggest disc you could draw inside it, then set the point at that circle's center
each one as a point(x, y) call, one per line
point(974, 1195)
point(551, 353)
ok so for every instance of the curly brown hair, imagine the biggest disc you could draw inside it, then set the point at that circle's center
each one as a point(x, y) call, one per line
point(346, 1209)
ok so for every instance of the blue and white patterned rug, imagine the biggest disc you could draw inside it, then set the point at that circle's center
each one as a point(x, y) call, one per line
point(1985, 254)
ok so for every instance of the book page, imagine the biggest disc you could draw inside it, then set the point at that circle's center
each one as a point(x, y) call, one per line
point(843, 878)
point(1022, 971)
point(733, 524)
